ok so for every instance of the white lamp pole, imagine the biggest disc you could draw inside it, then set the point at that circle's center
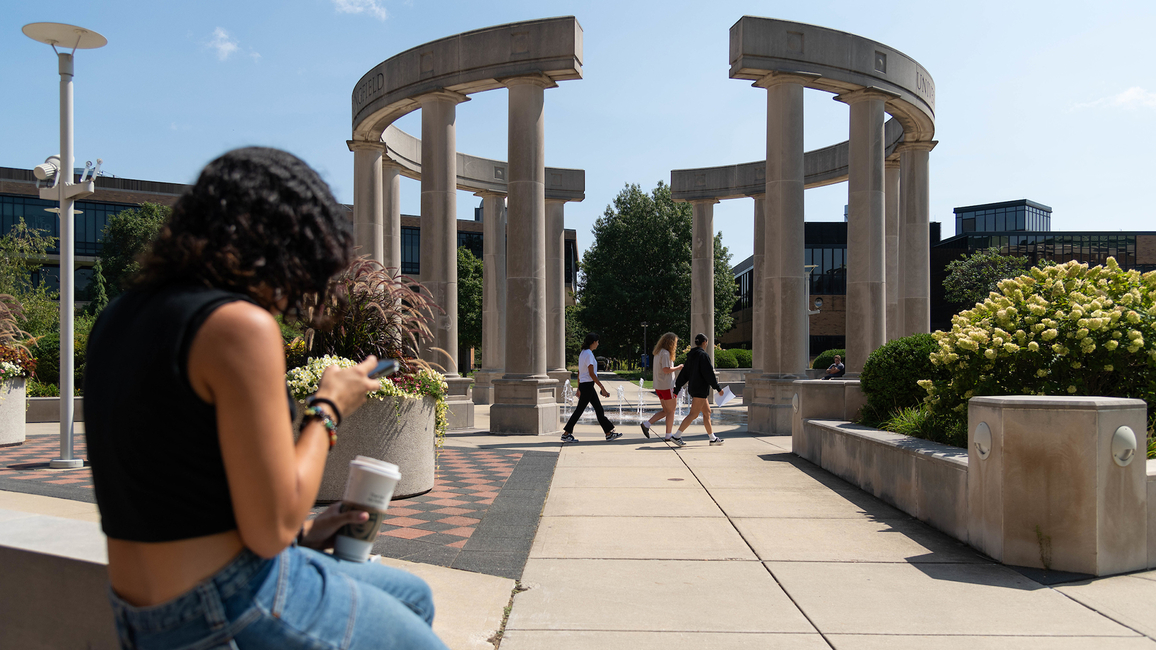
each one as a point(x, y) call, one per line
point(66, 191)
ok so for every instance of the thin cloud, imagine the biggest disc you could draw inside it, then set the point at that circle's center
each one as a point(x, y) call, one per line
point(1133, 98)
point(360, 7)
point(224, 44)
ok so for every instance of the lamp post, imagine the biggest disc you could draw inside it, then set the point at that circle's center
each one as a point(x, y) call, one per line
point(59, 170)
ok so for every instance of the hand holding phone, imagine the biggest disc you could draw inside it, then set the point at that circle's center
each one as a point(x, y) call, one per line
point(384, 367)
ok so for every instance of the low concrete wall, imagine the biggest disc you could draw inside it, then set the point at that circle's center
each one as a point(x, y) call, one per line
point(1152, 514)
point(925, 479)
point(47, 409)
point(55, 582)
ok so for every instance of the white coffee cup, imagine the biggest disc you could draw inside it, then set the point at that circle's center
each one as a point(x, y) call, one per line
point(369, 488)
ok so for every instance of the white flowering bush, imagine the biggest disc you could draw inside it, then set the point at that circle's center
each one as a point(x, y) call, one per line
point(303, 382)
point(1062, 330)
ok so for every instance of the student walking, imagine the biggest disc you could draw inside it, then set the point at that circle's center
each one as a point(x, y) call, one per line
point(698, 376)
point(664, 370)
point(587, 378)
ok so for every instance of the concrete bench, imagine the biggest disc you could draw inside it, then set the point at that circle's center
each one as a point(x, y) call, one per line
point(54, 584)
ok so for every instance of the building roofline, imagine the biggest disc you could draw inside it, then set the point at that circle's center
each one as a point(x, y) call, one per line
point(1002, 204)
point(1045, 233)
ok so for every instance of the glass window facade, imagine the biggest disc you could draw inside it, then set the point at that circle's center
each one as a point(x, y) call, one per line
point(1001, 217)
point(472, 241)
point(410, 251)
point(89, 224)
point(744, 290)
point(1090, 248)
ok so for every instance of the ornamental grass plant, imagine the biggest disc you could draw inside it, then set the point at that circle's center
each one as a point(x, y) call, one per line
point(1062, 330)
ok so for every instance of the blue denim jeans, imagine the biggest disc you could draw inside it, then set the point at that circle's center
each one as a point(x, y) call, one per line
point(300, 599)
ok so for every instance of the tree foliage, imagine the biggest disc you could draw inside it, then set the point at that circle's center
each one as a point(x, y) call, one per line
point(127, 235)
point(972, 277)
point(639, 269)
point(22, 251)
point(469, 299)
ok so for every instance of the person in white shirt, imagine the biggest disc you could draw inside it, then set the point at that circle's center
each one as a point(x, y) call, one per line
point(587, 378)
point(664, 370)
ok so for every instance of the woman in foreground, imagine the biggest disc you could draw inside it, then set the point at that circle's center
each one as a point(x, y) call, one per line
point(203, 492)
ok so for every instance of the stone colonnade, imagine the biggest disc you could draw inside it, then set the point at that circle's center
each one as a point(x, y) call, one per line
point(523, 256)
point(885, 165)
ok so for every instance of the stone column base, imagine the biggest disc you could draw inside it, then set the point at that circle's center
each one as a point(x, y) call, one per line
point(525, 407)
point(770, 411)
point(748, 389)
point(460, 402)
point(560, 376)
point(484, 385)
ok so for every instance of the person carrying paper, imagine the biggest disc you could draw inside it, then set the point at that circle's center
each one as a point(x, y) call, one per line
point(698, 376)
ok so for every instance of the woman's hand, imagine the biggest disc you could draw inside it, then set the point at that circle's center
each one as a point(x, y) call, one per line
point(318, 533)
point(347, 387)
point(602, 389)
point(675, 369)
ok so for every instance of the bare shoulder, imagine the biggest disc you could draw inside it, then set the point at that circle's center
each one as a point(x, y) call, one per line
point(239, 322)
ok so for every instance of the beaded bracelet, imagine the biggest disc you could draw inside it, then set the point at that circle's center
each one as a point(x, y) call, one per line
point(314, 400)
point(318, 413)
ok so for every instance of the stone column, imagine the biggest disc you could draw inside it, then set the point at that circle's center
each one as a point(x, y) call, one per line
point(893, 276)
point(493, 296)
point(367, 199)
point(702, 272)
point(439, 243)
point(915, 234)
point(556, 294)
point(757, 271)
point(524, 400)
point(391, 219)
point(784, 309)
point(866, 228)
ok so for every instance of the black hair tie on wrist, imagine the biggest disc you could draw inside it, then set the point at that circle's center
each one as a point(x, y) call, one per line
point(313, 399)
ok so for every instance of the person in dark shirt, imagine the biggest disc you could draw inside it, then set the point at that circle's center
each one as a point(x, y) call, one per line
point(835, 369)
point(203, 490)
point(698, 376)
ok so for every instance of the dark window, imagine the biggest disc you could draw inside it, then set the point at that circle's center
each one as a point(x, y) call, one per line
point(472, 241)
point(410, 251)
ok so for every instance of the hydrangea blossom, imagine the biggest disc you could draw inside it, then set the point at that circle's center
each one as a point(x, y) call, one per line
point(1065, 329)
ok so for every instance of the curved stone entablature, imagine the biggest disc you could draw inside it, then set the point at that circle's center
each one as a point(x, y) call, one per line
point(836, 62)
point(476, 174)
point(825, 166)
point(465, 63)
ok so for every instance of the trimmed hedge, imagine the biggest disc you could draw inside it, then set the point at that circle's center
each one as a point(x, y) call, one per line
point(828, 357)
point(891, 375)
point(742, 357)
point(725, 359)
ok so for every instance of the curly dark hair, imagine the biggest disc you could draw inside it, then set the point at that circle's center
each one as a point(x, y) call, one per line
point(258, 219)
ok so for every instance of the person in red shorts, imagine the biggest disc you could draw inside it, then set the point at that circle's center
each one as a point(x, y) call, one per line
point(664, 374)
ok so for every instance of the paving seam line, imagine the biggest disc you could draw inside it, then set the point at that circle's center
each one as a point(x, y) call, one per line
point(755, 553)
point(1114, 620)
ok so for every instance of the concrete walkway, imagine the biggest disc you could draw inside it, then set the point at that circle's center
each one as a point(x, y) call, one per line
point(746, 546)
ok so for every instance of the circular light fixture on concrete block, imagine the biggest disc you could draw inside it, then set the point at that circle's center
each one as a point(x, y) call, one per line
point(1123, 446)
point(982, 440)
point(795, 402)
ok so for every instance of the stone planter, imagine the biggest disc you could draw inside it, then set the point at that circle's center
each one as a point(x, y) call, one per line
point(12, 407)
point(396, 430)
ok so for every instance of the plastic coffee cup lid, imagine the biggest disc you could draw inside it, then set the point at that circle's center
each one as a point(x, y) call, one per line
point(377, 466)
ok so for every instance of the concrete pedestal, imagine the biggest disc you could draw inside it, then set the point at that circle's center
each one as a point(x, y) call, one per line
point(1045, 489)
point(769, 410)
point(525, 407)
point(560, 376)
point(483, 389)
point(460, 402)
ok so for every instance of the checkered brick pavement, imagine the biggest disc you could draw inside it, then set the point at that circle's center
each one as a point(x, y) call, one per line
point(24, 468)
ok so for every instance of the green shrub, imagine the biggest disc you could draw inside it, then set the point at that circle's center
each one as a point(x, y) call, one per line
point(34, 388)
point(891, 375)
point(1062, 330)
point(828, 357)
point(742, 358)
point(920, 422)
point(724, 359)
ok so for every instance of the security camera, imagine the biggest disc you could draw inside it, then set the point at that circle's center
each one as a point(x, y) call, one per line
point(47, 169)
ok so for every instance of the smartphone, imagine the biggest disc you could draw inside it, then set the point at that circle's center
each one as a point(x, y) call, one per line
point(384, 367)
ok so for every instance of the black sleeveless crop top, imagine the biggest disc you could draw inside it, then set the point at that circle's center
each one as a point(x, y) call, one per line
point(152, 441)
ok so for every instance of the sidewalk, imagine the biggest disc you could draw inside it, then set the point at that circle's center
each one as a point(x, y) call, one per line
point(746, 546)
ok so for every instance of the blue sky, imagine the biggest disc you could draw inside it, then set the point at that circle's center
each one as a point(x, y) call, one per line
point(1052, 101)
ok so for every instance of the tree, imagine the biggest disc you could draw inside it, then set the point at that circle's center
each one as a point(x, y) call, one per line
point(638, 269)
point(574, 334)
point(469, 301)
point(22, 252)
point(127, 235)
point(972, 277)
point(97, 290)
